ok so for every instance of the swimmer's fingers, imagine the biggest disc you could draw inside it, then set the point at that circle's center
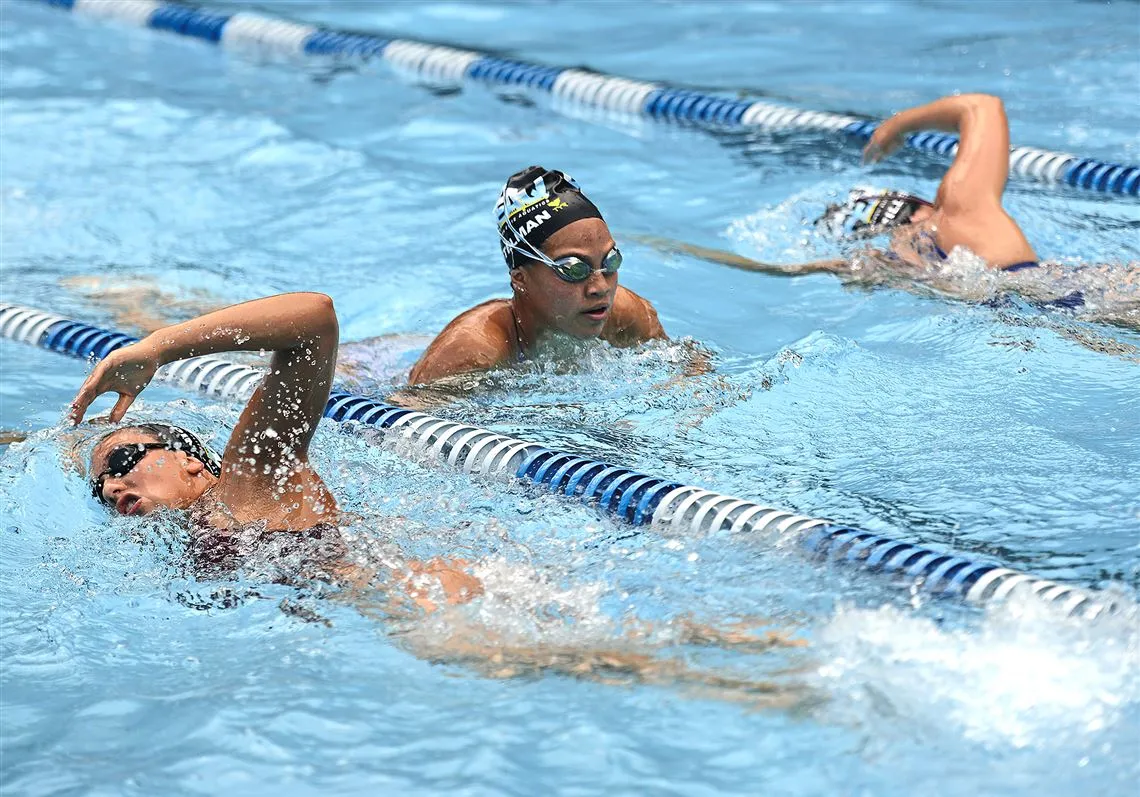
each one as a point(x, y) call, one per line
point(884, 141)
point(119, 373)
point(121, 406)
point(81, 402)
point(91, 390)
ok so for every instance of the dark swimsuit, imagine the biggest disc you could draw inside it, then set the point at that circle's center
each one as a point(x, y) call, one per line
point(1069, 301)
point(292, 556)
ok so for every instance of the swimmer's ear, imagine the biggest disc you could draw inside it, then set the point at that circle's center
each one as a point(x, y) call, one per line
point(518, 280)
point(193, 466)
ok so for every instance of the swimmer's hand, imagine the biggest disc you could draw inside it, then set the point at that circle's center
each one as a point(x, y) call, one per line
point(887, 138)
point(125, 371)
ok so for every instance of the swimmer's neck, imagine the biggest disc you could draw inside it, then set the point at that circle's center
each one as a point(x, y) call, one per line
point(525, 327)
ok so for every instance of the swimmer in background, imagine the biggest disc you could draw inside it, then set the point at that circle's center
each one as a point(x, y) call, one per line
point(137, 302)
point(563, 265)
point(264, 497)
point(967, 212)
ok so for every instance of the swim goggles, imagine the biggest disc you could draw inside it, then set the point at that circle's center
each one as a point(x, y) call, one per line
point(121, 461)
point(574, 269)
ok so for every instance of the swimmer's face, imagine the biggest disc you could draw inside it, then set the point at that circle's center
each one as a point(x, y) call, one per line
point(162, 478)
point(580, 309)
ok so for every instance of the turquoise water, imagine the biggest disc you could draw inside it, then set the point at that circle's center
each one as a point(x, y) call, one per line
point(1001, 432)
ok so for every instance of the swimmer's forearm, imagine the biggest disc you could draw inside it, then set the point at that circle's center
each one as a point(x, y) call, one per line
point(276, 323)
point(950, 114)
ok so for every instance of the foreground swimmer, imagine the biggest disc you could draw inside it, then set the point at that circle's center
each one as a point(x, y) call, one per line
point(563, 265)
point(263, 490)
point(263, 498)
point(264, 474)
point(966, 212)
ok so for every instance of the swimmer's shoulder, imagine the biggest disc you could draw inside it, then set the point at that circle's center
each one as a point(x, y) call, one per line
point(992, 234)
point(632, 320)
point(476, 339)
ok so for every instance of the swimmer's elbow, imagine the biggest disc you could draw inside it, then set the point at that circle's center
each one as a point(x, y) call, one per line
point(319, 309)
point(985, 105)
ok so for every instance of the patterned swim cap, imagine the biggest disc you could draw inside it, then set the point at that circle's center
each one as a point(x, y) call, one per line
point(533, 205)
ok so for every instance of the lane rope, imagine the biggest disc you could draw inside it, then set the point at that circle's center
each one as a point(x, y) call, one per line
point(246, 30)
point(626, 495)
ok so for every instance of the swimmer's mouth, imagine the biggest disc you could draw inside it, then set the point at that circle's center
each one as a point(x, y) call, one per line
point(597, 313)
point(128, 504)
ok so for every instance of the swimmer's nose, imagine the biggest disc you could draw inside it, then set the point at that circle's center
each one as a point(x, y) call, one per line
point(112, 487)
point(597, 284)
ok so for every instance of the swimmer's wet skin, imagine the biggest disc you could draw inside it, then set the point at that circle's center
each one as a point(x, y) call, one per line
point(263, 497)
point(563, 265)
point(967, 211)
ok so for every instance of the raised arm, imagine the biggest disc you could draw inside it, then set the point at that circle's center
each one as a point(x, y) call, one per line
point(279, 421)
point(978, 176)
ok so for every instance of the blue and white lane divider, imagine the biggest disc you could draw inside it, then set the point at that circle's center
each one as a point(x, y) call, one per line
point(631, 497)
point(250, 31)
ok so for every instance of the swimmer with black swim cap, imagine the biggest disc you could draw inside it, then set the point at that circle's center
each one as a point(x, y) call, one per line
point(563, 265)
point(138, 469)
point(966, 212)
point(920, 235)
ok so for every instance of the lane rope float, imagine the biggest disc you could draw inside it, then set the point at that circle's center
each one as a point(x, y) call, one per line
point(624, 494)
point(245, 30)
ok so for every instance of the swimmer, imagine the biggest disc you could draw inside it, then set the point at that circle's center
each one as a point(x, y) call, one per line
point(263, 495)
point(264, 474)
point(966, 213)
point(563, 264)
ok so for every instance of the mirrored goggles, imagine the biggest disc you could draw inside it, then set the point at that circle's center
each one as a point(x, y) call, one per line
point(121, 461)
point(574, 269)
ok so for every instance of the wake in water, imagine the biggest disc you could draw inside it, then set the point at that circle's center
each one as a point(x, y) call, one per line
point(492, 614)
point(1023, 677)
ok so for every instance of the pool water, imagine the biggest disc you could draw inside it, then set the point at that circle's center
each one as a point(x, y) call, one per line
point(998, 431)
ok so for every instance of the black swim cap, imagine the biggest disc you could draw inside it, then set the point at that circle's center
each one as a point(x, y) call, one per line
point(533, 205)
point(869, 212)
point(183, 440)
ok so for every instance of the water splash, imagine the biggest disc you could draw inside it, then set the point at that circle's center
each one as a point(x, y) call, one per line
point(1025, 677)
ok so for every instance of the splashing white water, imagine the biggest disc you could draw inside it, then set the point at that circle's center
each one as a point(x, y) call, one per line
point(1024, 678)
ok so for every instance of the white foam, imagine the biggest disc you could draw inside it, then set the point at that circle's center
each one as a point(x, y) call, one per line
point(1026, 677)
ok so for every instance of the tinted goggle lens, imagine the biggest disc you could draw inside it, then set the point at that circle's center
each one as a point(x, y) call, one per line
point(575, 269)
point(121, 461)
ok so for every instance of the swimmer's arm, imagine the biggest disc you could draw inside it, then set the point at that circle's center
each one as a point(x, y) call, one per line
point(301, 330)
point(733, 260)
point(281, 417)
point(981, 166)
